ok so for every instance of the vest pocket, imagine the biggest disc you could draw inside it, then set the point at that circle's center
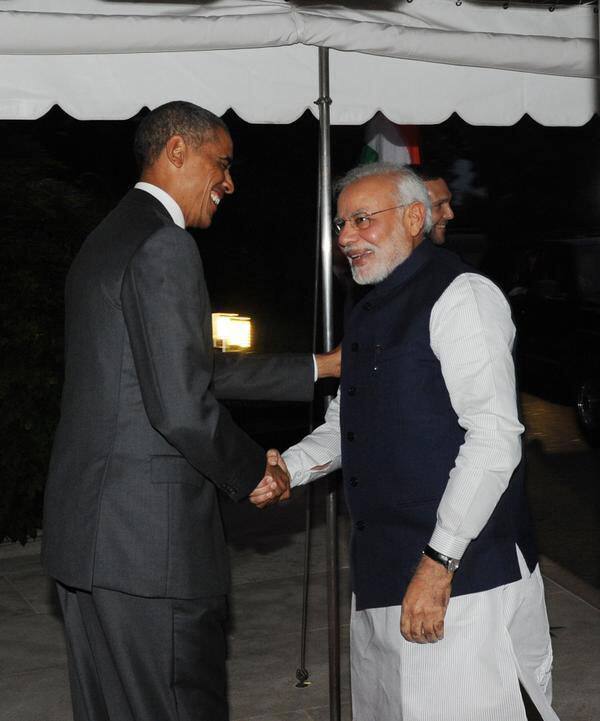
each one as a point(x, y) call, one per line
point(391, 355)
point(417, 503)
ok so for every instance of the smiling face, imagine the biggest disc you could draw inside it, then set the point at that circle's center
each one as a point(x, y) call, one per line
point(375, 251)
point(441, 210)
point(202, 176)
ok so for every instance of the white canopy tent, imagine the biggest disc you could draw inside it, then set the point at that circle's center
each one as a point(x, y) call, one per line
point(418, 61)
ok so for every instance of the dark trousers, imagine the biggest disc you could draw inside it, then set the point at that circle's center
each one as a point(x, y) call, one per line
point(143, 659)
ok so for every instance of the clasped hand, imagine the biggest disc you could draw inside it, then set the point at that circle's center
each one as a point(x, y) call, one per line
point(275, 485)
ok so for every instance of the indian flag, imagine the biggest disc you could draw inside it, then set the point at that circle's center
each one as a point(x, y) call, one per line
point(390, 143)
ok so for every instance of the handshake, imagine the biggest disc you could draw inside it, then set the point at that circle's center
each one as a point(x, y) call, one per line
point(275, 485)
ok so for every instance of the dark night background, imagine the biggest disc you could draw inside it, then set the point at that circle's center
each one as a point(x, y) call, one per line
point(60, 176)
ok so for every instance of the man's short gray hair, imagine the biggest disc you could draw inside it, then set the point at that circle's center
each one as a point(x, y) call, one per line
point(193, 123)
point(409, 188)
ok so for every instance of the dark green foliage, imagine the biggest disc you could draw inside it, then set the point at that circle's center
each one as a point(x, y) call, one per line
point(46, 214)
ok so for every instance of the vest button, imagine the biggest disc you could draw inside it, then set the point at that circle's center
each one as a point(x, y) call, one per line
point(350, 435)
point(354, 347)
point(360, 525)
point(368, 305)
point(352, 391)
point(353, 481)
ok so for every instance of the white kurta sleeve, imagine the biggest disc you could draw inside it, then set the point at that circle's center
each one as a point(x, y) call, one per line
point(472, 335)
point(319, 453)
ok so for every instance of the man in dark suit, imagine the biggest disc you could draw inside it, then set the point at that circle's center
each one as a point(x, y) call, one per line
point(132, 530)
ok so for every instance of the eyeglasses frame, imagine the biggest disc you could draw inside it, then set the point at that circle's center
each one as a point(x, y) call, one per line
point(352, 218)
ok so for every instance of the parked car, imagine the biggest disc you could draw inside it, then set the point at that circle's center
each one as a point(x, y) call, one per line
point(555, 296)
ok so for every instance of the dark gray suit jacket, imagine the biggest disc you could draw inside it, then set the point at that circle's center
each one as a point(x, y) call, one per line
point(142, 444)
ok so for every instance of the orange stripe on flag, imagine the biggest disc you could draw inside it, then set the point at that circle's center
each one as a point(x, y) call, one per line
point(411, 136)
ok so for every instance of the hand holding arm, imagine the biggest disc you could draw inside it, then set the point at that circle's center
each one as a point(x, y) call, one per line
point(425, 602)
point(329, 365)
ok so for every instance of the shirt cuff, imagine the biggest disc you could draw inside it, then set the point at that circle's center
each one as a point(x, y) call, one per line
point(315, 368)
point(299, 476)
point(451, 546)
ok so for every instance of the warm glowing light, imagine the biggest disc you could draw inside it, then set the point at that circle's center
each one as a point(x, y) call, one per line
point(231, 331)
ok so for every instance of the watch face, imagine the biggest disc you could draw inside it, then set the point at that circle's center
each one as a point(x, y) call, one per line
point(452, 565)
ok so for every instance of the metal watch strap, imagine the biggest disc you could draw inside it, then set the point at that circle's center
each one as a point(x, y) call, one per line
point(450, 564)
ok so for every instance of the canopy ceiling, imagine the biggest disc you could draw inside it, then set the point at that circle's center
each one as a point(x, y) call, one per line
point(417, 62)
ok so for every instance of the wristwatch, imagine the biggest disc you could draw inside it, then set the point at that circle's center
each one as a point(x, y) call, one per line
point(450, 564)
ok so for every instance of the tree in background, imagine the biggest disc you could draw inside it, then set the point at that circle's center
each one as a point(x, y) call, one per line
point(48, 211)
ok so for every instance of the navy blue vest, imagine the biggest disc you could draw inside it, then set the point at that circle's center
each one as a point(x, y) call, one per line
point(400, 438)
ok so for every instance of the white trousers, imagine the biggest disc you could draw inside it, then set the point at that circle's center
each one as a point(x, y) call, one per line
point(492, 640)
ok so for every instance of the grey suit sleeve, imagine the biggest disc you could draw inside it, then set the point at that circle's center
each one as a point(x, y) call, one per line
point(167, 313)
point(284, 377)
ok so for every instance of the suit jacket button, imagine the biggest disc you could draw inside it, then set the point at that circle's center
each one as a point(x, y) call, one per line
point(354, 347)
point(353, 481)
point(368, 305)
point(350, 435)
point(352, 391)
point(360, 525)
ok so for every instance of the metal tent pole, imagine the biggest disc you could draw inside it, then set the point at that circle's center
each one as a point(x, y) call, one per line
point(333, 621)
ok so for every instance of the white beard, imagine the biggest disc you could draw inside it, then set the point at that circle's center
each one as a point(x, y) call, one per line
point(379, 268)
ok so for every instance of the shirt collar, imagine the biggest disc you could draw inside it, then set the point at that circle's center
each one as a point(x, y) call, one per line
point(163, 197)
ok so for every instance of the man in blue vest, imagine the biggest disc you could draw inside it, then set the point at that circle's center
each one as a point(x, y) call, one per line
point(448, 620)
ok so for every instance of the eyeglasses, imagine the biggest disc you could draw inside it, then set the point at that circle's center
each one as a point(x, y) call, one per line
point(360, 221)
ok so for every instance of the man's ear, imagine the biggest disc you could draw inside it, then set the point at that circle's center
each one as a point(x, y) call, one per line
point(415, 218)
point(175, 150)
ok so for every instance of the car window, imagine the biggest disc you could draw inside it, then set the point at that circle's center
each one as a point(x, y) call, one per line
point(588, 272)
point(551, 272)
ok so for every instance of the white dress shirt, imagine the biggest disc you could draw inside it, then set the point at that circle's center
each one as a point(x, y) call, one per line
point(163, 197)
point(472, 335)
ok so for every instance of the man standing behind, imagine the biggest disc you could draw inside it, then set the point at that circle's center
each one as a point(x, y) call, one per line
point(448, 616)
point(132, 528)
point(440, 198)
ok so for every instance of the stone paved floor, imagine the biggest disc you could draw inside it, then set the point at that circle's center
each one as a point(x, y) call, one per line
point(264, 633)
point(267, 557)
point(267, 552)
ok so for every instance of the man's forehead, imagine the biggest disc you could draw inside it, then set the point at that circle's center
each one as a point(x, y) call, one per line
point(437, 189)
point(220, 141)
point(366, 192)
point(225, 142)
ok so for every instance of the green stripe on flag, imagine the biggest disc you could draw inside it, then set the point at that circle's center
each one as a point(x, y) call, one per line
point(368, 155)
